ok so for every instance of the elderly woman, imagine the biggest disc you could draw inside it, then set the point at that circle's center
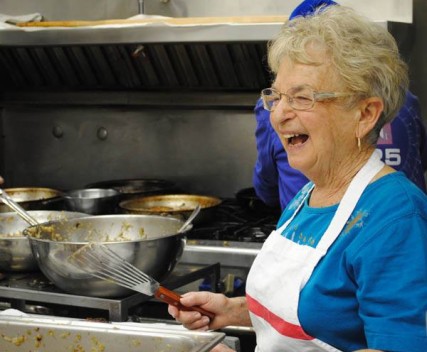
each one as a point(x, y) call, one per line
point(346, 268)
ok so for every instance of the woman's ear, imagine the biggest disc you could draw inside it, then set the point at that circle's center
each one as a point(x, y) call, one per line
point(370, 112)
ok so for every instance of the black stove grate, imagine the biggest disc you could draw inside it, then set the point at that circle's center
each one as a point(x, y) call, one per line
point(234, 222)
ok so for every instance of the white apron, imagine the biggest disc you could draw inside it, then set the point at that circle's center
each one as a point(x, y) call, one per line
point(283, 267)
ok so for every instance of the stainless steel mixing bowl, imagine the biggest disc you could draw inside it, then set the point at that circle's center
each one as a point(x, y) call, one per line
point(149, 242)
point(15, 250)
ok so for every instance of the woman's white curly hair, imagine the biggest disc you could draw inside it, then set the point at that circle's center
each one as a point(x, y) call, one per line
point(364, 55)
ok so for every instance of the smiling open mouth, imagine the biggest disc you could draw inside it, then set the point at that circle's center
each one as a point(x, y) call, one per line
point(296, 139)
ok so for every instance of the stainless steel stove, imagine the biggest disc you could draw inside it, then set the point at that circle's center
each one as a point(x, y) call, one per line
point(34, 293)
point(233, 239)
point(217, 257)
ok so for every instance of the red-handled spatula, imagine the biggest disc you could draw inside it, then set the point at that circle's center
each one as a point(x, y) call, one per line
point(103, 263)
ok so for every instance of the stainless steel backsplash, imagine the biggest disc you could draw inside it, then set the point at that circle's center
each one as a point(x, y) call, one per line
point(203, 151)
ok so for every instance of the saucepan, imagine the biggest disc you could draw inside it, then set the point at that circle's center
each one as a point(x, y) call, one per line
point(95, 201)
point(175, 205)
point(15, 250)
point(152, 243)
point(34, 198)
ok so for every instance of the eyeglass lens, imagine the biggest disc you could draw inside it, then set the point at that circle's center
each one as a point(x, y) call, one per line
point(299, 98)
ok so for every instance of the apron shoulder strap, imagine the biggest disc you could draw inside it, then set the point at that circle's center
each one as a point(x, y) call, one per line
point(349, 201)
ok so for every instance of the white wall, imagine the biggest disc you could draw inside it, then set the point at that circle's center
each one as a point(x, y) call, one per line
point(393, 10)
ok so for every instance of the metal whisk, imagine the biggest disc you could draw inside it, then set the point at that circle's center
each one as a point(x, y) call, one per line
point(103, 263)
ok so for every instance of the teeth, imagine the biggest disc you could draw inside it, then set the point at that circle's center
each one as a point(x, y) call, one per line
point(290, 135)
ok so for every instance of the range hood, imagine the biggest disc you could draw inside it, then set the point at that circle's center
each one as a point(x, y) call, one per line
point(213, 54)
point(180, 48)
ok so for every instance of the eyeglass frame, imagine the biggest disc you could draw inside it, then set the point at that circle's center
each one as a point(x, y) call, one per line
point(317, 96)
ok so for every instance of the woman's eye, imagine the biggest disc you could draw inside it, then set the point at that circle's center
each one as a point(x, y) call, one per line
point(302, 98)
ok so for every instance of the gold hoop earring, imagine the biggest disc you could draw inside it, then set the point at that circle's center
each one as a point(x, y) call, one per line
point(358, 144)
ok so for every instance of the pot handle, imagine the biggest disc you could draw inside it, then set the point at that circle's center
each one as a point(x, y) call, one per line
point(58, 198)
point(186, 224)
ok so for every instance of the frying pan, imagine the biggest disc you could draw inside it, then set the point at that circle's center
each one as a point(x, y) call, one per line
point(34, 198)
point(175, 205)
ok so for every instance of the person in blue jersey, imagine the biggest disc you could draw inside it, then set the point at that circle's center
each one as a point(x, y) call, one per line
point(402, 143)
point(346, 267)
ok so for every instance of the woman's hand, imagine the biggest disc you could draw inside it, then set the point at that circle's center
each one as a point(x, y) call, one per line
point(228, 311)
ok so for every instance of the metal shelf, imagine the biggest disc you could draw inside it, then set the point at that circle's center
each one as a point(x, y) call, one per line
point(153, 33)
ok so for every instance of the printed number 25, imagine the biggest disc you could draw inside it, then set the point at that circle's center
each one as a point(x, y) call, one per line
point(391, 157)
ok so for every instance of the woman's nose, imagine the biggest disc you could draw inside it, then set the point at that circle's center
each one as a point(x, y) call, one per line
point(282, 112)
point(284, 102)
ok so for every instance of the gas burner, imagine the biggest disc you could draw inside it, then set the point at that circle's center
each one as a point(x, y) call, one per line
point(39, 283)
point(14, 279)
point(31, 280)
point(232, 222)
point(215, 231)
point(242, 232)
point(253, 234)
point(232, 210)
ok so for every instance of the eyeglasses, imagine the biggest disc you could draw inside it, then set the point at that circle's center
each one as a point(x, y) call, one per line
point(299, 98)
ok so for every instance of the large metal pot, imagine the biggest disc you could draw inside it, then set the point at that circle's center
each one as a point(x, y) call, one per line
point(176, 205)
point(151, 243)
point(34, 198)
point(15, 250)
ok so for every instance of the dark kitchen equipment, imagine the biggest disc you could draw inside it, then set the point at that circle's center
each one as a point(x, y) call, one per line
point(93, 201)
point(149, 242)
point(176, 205)
point(15, 249)
point(136, 187)
point(34, 198)
point(248, 199)
point(102, 263)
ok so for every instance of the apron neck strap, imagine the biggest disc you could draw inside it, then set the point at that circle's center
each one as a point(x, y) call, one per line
point(299, 206)
point(349, 201)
